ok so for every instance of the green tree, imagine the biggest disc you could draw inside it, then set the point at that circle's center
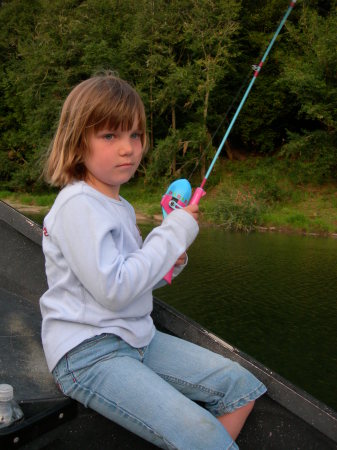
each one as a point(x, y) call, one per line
point(209, 32)
point(261, 125)
point(155, 65)
point(67, 41)
point(18, 21)
point(187, 59)
point(199, 47)
point(310, 76)
point(42, 67)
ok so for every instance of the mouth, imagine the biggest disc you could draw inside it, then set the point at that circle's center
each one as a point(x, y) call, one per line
point(124, 165)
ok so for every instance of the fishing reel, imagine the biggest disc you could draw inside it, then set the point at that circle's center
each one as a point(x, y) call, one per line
point(177, 196)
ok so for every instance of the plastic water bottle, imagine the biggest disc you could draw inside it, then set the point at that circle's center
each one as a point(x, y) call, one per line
point(10, 411)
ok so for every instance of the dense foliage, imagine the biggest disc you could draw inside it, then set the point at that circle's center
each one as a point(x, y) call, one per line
point(190, 60)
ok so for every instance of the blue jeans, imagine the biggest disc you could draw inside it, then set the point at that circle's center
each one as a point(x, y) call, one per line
point(151, 391)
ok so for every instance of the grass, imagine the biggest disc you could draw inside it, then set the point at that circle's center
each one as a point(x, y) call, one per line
point(317, 215)
point(42, 200)
point(265, 193)
point(251, 194)
point(144, 198)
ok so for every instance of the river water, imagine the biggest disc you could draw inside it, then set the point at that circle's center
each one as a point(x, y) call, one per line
point(272, 296)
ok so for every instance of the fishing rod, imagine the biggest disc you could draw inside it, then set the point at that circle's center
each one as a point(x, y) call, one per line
point(178, 194)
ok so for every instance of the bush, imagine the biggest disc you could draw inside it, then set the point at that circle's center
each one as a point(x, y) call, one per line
point(312, 156)
point(238, 212)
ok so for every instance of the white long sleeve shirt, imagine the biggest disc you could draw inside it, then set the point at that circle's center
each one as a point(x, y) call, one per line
point(100, 274)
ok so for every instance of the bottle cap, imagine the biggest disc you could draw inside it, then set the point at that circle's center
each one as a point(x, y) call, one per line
point(6, 392)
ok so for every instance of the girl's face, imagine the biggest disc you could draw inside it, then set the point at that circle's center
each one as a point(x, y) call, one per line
point(113, 158)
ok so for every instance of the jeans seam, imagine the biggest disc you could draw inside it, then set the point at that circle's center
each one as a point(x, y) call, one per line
point(187, 383)
point(221, 410)
point(87, 344)
point(199, 386)
point(246, 397)
point(103, 358)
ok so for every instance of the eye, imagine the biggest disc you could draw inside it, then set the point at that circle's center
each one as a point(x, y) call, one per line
point(136, 135)
point(109, 136)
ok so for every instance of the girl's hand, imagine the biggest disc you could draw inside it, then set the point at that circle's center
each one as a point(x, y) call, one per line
point(181, 260)
point(193, 210)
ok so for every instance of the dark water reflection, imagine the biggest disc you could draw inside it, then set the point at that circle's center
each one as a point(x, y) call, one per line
point(272, 296)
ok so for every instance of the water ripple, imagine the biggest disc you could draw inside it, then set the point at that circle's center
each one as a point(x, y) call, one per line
point(273, 296)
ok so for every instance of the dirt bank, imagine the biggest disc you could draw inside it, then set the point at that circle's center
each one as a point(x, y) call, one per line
point(41, 210)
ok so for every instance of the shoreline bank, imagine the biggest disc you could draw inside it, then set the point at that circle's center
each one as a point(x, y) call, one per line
point(156, 220)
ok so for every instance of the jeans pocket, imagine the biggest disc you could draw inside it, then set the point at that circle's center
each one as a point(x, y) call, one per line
point(91, 351)
point(87, 344)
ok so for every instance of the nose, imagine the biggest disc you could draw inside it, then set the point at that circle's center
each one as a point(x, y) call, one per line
point(126, 147)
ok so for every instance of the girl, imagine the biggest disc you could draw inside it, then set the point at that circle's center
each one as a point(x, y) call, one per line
point(98, 336)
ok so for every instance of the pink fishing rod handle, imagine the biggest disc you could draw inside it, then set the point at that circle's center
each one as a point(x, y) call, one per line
point(198, 194)
point(168, 276)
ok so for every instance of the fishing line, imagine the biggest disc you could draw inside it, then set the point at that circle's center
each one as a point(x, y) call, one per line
point(229, 109)
point(199, 192)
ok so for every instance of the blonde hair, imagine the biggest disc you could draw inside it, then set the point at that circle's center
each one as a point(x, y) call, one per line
point(103, 101)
